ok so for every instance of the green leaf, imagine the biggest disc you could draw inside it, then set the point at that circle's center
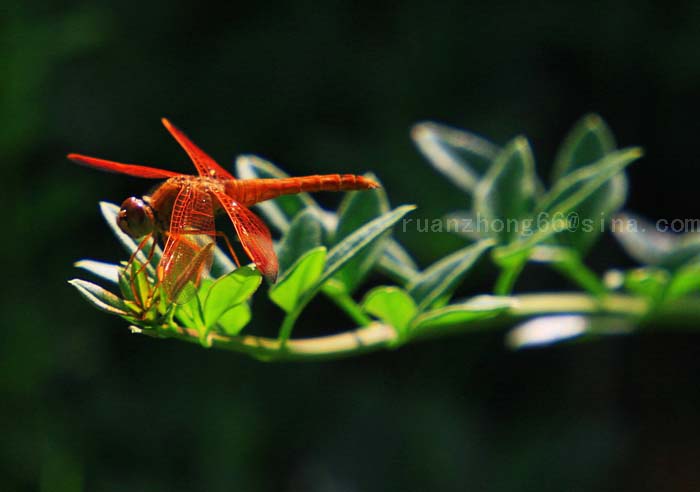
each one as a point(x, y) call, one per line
point(392, 305)
point(649, 244)
point(506, 194)
point(229, 291)
point(441, 278)
point(356, 209)
point(461, 156)
point(191, 313)
point(304, 234)
point(572, 189)
point(552, 216)
point(102, 299)
point(345, 250)
point(397, 263)
point(686, 249)
point(235, 319)
point(280, 211)
point(648, 282)
point(475, 309)
point(107, 271)
point(301, 277)
point(684, 281)
point(123, 277)
point(141, 282)
point(589, 141)
point(465, 224)
point(641, 239)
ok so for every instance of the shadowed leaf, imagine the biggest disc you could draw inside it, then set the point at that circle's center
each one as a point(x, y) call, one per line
point(506, 194)
point(441, 278)
point(356, 209)
point(461, 156)
point(303, 234)
point(102, 299)
point(589, 141)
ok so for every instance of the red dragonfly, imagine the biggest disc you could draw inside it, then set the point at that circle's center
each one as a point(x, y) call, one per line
point(182, 210)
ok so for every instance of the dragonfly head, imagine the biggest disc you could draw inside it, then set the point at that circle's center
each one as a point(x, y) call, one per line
point(136, 218)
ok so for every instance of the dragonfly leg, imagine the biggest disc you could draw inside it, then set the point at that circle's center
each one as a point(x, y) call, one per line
point(230, 247)
point(132, 258)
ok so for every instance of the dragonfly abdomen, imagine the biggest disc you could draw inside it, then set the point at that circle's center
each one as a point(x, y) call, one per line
point(250, 191)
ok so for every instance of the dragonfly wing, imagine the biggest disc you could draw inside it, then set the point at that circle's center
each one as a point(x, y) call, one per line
point(118, 167)
point(254, 235)
point(206, 166)
point(189, 250)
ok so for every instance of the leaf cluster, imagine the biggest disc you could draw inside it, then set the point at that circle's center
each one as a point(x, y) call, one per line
point(519, 220)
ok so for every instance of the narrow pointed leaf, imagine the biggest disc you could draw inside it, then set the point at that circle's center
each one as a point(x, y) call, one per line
point(397, 263)
point(300, 278)
point(440, 279)
point(553, 212)
point(589, 141)
point(687, 248)
point(102, 299)
point(641, 240)
point(107, 271)
point(648, 244)
point(393, 305)
point(475, 309)
point(345, 250)
point(466, 224)
point(303, 234)
point(506, 194)
point(123, 277)
point(574, 188)
point(461, 156)
point(356, 209)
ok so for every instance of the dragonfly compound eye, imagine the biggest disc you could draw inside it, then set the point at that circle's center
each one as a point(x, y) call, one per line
point(135, 218)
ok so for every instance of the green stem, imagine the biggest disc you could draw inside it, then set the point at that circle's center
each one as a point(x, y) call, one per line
point(376, 336)
point(336, 291)
point(506, 280)
point(288, 325)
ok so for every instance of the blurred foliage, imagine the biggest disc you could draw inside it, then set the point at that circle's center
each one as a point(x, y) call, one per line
point(324, 88)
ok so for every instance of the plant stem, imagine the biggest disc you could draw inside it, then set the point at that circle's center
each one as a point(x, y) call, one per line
point(345, 301)
point(288, 325)
point(506, 280)
point(375, 336)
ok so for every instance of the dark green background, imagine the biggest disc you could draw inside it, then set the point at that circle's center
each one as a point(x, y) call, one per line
point(330, 87)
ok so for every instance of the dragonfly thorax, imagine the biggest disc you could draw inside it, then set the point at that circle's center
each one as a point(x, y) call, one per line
point(136, 218)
